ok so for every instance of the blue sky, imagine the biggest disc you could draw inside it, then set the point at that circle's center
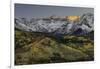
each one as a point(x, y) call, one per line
point(30, 10)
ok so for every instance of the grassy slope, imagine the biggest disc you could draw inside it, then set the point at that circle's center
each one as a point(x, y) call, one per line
point(35, 48)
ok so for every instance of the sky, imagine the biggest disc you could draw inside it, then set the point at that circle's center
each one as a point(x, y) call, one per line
point(30, 10)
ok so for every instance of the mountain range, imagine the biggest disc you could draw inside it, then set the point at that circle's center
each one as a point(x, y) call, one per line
point(57, 25)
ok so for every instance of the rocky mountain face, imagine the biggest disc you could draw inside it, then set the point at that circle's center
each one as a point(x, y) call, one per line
point(57, 25)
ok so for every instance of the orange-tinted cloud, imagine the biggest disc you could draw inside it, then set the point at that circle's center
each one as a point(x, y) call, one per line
point(73, 18)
